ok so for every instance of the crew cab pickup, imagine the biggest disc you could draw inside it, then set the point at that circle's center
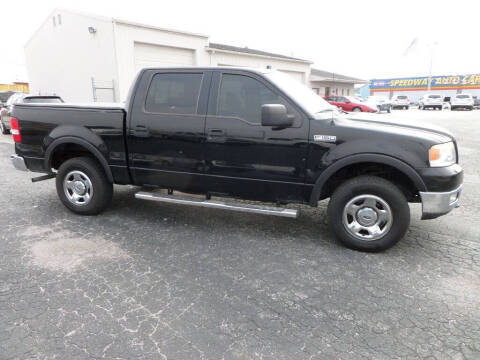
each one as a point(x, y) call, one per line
point(239, 133)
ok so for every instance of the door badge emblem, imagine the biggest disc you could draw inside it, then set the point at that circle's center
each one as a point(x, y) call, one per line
point(325, 138)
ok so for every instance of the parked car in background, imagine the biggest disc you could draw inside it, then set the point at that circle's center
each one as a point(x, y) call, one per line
point(382, 103)
point(462, 101)
point(476, 102)
point(349, 103)
point(400, 102)
point(22, 98)
point(431, 101)
point(446, 102)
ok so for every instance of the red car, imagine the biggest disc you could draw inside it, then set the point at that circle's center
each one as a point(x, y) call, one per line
point(349, 103)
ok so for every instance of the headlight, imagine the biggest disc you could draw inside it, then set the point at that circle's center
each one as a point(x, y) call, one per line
point(442, 155)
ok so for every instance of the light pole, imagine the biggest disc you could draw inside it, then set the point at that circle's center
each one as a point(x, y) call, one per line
point(431, 65)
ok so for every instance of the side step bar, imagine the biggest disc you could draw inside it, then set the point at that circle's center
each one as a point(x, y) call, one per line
point(186, 200)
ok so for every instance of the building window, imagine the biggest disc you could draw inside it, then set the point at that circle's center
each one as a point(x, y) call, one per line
point(348, 91)
point(54, 21)
point(59, 17)
point(343, 91)
point(316, 90)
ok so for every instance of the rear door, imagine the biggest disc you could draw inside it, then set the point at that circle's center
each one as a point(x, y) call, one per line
point(167, 129)
point(244, 158)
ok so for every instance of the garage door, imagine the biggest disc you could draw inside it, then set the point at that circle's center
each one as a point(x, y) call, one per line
point(297, 75)
point(148, 55)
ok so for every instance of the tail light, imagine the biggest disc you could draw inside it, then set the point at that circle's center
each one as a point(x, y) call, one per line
point(15, 130)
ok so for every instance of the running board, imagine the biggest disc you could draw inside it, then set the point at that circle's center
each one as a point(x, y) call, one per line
point(186, 200)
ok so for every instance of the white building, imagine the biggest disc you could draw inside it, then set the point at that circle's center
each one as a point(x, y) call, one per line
point(327, 83)
point(85, 58)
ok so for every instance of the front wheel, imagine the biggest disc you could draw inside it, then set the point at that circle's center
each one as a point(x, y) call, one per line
point(368, 213)
point(83, 187)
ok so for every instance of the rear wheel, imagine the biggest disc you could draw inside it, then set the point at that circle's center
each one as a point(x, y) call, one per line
point(368, 213)
point(357, 109)
point(83, 187)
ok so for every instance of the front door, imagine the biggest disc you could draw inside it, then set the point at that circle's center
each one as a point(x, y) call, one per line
point(244, 158)
point(166, 129)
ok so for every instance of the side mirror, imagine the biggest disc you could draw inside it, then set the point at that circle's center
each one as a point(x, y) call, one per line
point(275, 115)
point(347, 101)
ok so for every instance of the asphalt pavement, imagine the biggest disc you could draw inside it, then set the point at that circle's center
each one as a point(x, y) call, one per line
point(148, 280)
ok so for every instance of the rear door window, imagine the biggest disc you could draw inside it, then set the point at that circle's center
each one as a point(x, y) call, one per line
point(174, 93)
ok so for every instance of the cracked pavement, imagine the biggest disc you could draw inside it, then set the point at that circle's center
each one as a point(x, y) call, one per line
point(148, 280)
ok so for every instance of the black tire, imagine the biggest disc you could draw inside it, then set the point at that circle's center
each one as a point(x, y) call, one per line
point(389, 110)
point(452, 108)
point(101, 188)
point(378, 187)
point(408, 107)
point(357, 109)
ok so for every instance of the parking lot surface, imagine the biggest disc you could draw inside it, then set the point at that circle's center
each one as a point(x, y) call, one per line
point(158, 281)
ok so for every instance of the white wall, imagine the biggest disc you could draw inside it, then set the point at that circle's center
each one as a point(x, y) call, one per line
point(218, 58)
point(62, 59)
point(126, 35)
point(335, 88)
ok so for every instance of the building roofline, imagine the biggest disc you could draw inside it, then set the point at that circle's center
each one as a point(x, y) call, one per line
point(229, 49)
point(153, 27)
point(331, 76)
point(112, 20)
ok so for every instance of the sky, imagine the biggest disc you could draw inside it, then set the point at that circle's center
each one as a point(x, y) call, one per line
point(365, 39)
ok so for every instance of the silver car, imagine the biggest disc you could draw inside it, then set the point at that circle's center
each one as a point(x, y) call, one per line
point(17, 98)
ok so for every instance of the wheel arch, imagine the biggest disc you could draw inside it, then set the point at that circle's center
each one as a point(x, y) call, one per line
point(60, 143)
point(357, 159)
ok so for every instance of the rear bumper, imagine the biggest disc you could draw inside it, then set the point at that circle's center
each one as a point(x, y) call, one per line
point(18, 162)
point(435, 204)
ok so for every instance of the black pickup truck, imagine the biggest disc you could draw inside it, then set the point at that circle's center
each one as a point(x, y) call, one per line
point(246, 134)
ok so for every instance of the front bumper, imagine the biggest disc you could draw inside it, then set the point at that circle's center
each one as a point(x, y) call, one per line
point(435, 204)
point(18, 162)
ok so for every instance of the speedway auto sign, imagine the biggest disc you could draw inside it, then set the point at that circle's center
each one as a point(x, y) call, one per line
point(450, 82)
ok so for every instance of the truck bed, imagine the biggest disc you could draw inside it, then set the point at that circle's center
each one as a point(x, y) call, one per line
point(100, 124)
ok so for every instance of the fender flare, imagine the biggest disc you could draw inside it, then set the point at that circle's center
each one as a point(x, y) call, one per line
point(361, 158)
point(78, 141)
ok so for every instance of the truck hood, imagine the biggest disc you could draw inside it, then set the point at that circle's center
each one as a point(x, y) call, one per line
point(401, 124)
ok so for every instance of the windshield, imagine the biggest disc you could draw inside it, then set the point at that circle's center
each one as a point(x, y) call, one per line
point(302, 94)
point(434, 96)
point(42, 100)
point(354, 99)
point(402, 97)
point(463, 96)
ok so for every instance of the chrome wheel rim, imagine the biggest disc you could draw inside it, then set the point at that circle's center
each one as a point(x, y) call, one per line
point(367, 217)
point(78, 188)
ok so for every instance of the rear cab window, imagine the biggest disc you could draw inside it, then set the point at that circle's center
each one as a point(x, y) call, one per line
point(42, 100)
point(174, 93)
